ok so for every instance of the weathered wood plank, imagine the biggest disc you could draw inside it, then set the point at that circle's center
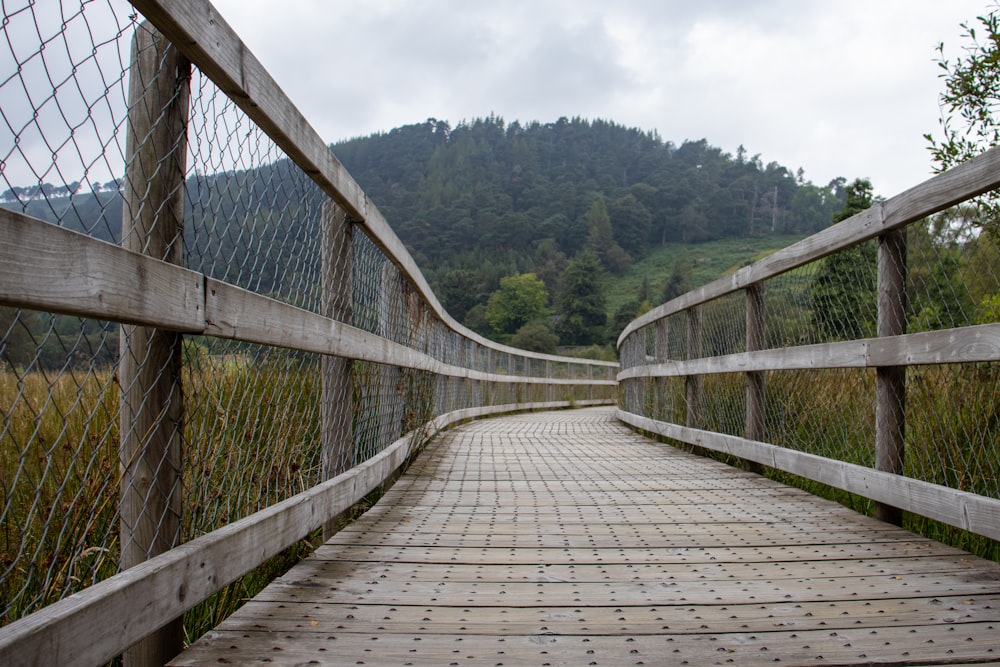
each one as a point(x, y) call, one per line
point(895, 645)
point(400, 586)
point(916, 547)
point(233, 312)
point(949, 346)
point(45, 267)
point(967, 511)
point(956, 185)
point(508, 621)
point(203, 35)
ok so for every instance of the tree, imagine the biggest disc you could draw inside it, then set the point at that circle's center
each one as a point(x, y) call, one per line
point(679, 280)
point(843, 293)
point(520, 299)
point(600, 240)
point(580, 303)
point(536, 336)
point(631, 222)
point(972, 94)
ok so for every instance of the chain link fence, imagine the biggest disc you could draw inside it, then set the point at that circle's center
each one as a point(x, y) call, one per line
point(817, 401)
point(242, 425)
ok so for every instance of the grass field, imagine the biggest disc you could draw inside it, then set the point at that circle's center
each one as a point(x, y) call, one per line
point(708, 261)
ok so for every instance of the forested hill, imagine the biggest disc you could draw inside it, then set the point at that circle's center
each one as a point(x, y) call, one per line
point(495, 199)
point(573, 202)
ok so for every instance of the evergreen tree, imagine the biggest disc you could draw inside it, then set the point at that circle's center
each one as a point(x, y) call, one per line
point(600, 240)
point(580, 304)
point(843, 293)
point(679, 280)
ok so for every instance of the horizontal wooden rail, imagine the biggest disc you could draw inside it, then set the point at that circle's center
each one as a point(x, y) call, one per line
point(967, 511)
point(46, 267)
point(95, 625)
point(956, 185)
point(200, 32)
point(948, 346)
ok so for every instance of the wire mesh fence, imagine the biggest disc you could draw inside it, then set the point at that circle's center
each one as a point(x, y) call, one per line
point(950, 280)
point(241, 425)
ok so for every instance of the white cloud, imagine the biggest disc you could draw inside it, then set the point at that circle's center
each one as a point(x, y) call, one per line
point(844, 89)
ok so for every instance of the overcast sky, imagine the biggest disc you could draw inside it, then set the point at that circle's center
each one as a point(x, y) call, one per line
point(842, 88)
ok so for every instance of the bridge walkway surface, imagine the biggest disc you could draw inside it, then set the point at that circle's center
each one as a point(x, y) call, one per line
point(564, 538)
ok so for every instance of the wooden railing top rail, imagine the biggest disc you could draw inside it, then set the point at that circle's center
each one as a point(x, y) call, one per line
point(956, 185)
point(41, 265)
point(200, 32)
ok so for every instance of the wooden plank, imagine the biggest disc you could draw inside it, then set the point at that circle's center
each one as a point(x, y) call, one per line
point(636, 556)
point(233, 312)
point(691, 619)
point(967, 511)
point(45, 267)
point(659, 594)
point(956, 185)
point(203, 35)
point(331, 570)
point(93, 626)
point(400, 587)
point(894, 645)
point(948, 346)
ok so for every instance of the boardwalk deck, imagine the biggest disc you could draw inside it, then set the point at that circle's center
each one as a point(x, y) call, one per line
point(565, 539)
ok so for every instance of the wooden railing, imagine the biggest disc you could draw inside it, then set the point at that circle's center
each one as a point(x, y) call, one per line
point(143, 286)
point(664, 370)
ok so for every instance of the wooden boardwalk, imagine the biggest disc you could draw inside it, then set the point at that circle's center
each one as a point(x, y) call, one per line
point(565, 539)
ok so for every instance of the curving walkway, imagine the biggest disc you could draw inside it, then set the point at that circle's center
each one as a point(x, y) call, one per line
point(563, 538)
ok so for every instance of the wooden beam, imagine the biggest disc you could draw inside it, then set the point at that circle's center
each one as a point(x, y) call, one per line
point(93, 626)
point(968, 511)
point(971, 178)
point(202, 34)
point(49, 268)
point(233, 312)
point(949, 346)
point(151, 418)
point(890, 381)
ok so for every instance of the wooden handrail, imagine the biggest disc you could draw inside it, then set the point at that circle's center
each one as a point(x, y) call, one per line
point(956, 185)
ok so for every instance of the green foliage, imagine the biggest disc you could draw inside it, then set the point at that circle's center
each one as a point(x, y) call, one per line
point(937, 298)
point(971, 96)
point(580, 305)
point(600, 240)
point(520, 299)
point(486, 186)
point(631, 222)
point(844, 290)
point(679, 281)
point(536, 336)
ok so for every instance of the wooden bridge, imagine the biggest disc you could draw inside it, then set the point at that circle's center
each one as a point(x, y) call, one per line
point(564, 538)
point(536, 523)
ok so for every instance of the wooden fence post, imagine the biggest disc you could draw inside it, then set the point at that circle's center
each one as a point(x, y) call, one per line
point(890, 381)
point(694, 382)
point(661, 352)
point(549, 389)
point(149, 371)
point(337, 401)
point(755, 379)
point(637, 354)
